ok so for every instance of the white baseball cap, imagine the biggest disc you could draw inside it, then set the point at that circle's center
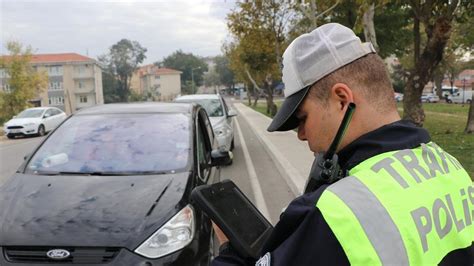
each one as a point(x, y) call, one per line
point(311, 57)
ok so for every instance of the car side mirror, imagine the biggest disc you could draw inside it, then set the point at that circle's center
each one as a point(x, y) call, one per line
point(46, 115)
point(231, 113)
point(219, 157)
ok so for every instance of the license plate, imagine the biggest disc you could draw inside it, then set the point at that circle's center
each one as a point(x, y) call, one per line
point(14, 131)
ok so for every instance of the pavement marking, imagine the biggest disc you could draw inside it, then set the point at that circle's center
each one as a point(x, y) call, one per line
point(257, 189)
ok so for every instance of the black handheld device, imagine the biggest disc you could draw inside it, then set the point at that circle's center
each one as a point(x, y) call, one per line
point(325, 168)
point(246, 228)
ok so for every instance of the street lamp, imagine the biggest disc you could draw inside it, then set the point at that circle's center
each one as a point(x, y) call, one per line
point(192, 78)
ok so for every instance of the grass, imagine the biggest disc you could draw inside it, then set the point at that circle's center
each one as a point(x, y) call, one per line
point(447, 132)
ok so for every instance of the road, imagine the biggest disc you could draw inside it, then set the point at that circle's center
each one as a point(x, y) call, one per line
point(269, 190)
point(12, 152)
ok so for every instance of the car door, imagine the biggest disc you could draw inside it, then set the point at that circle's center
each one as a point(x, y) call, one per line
point(48, 120)
point(204, 145)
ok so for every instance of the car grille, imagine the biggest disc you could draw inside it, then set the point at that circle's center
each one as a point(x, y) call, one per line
point(78, 255)
point(15, 127)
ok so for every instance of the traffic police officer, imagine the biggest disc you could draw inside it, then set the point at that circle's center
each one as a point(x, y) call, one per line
point(405, 200)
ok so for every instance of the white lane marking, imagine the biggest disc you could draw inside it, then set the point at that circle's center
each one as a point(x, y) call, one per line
point(255, 184)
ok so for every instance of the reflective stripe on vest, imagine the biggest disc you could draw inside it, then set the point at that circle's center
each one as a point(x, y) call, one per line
point(403, 207)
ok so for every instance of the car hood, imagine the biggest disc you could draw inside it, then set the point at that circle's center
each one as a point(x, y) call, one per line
point(112, 211)
point(217, 121)
point(22, 121)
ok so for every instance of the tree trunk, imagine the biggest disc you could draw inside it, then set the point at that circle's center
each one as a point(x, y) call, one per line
point(369, 28)
point(416, 33)
point(470, 119)
point(438, 81)
point(424, 67)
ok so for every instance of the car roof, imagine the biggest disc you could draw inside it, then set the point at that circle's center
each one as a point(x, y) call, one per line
point(145, 107)
point(197, 97)
point(38, 108)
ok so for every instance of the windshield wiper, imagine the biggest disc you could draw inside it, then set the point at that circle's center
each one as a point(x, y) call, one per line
point(100, 173)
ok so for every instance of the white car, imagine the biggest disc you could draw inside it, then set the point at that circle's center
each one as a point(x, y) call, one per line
point(219, 115)
point(34, 121)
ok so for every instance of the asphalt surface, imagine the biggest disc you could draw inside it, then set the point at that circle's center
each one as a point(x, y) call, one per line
point(252, 170)
point(12, 152)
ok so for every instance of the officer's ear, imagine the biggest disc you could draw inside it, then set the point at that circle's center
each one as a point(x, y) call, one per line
point(342, 95)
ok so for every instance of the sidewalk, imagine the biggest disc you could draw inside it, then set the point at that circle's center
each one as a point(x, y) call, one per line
point(291, 156)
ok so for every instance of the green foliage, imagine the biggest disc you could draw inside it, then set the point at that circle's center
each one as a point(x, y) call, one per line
point(191, 66)
point(25, 83)
point(110, 87)
point(121, 61)
point(222, 67)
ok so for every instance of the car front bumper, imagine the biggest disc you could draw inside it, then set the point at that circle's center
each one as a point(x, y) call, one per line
point(25, 131)
point(125, 257)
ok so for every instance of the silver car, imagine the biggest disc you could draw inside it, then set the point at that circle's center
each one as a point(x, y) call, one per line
point(219, 114)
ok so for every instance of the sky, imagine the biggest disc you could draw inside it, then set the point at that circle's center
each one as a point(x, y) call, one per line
point(91, 27)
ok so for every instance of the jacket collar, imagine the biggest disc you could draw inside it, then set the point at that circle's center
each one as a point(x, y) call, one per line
point(399, 135)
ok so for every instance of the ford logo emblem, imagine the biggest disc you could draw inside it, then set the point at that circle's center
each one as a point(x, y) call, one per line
point(58, 254)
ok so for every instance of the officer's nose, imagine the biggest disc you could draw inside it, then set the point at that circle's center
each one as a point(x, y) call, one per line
point(301, 132)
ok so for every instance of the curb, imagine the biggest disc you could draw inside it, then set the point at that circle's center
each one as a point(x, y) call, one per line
point(292, 176)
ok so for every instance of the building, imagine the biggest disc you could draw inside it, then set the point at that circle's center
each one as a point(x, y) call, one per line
point(74, 81)
point(156, 83)
point(464, 81)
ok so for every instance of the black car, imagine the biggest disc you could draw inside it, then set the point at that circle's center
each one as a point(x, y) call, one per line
point(111, 186)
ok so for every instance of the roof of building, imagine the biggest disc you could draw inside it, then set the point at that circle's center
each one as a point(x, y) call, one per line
point(154, 70)
point(55, 58)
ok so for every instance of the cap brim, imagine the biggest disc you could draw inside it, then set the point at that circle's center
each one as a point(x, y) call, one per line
point(285, 119)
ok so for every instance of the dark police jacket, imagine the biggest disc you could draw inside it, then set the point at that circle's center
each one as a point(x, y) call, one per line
point(303, 237)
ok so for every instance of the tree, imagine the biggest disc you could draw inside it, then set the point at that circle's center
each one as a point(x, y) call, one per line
point(260, 30)
point(211, 78)
point(23, 81)
point(110, 87)
point(226, 76)
point(121, 61)
point(193, 68)
point(436, 18)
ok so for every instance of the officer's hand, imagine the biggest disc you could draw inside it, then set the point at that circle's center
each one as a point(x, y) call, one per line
point(220, 235)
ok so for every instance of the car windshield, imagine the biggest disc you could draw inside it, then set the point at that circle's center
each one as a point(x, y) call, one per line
point(30, 113)
point(213, 107)
point(115, 144)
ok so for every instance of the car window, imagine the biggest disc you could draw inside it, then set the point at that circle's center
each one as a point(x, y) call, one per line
point(30, 113)
point(124, 143)
point(213, 107)
point(55, 111)
point(49, 112)
point(203, 148)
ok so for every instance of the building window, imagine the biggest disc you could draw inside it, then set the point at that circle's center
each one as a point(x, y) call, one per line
point(55, 85)
point(59, 100)
point(55, 70)
point(81, 85)
point(83, 99)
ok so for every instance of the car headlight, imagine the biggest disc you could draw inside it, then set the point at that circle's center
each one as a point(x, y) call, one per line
point(222, 131)
point(28, 124)
point(177, 233)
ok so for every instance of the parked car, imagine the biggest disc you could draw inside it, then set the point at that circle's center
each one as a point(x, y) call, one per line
point(219, 114)
point(460, 97)
point(111, 186)
point(429, 98)
point(398, 96)
point(34, 121)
